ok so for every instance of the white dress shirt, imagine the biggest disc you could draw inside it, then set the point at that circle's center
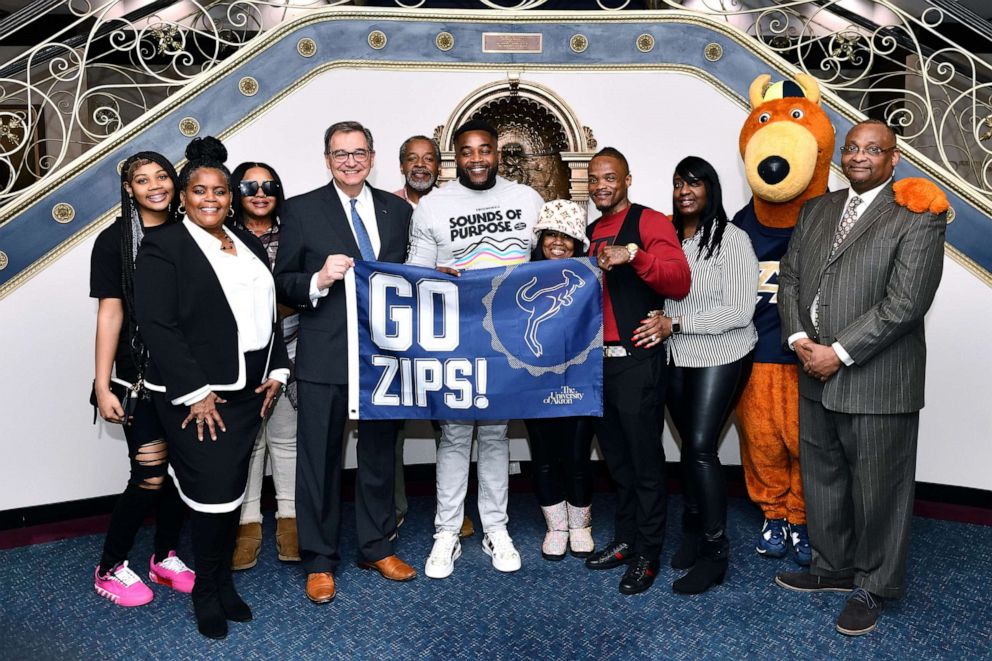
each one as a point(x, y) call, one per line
point(250, 291)
point(866, 199)
point(366, 211)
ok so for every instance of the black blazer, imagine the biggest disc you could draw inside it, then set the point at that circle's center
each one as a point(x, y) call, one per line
point(314, 226)
point(185, 319)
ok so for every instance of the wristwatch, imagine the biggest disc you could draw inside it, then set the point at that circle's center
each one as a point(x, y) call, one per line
point(631, 251)
point(676, 325)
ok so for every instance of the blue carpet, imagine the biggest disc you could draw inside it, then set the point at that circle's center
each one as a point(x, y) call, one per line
point(548, 610)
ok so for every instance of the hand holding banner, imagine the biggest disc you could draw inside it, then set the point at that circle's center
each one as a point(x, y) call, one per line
point(522, 341)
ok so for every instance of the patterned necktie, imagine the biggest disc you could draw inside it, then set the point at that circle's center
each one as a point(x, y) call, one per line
point(846, 223)
point(843, 229)
point(364, 242)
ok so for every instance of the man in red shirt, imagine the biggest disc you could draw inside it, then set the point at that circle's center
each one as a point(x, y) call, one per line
point(643, 264)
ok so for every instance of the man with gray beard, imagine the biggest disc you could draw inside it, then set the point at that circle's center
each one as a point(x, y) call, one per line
point(420, 160)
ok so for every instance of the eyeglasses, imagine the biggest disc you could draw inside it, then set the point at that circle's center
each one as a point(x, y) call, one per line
point(249, 188)
point(872, 150)
point(360, 155)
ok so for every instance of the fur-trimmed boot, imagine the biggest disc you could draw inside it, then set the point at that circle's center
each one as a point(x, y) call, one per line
point(556, 539)
point(247, 546)
point(692, 532)
point(287, 540)
point(580, 540)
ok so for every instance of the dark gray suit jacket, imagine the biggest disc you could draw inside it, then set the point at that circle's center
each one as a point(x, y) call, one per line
point(314, 226)
point(874, 293)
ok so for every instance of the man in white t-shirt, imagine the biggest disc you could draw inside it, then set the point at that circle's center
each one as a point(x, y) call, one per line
point(480, 220)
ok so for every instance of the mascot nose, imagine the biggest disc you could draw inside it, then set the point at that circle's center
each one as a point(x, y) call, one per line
point(773, 169)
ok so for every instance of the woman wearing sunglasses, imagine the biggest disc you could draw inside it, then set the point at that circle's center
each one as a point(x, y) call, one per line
point(258, 197)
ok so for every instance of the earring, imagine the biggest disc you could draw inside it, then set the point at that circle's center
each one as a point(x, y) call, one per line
point(181, 209)
point(230, 212)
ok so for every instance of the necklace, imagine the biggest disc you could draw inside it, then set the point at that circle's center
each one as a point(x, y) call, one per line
point(226, 243)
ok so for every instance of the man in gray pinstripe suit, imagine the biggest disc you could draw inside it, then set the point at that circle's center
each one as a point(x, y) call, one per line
point(858, 277)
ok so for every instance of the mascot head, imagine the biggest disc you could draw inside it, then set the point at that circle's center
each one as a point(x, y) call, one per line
point(787, 144)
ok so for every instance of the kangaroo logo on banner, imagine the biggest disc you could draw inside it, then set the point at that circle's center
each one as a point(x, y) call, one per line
point(522, 341)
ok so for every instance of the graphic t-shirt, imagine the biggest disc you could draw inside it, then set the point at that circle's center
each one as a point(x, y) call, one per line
point(466, 229)
point(769, 245)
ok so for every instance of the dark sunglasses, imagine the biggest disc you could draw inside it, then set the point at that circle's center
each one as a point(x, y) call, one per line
point(249, 188)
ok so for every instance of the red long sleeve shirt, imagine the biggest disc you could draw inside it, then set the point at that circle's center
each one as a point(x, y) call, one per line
point(660, 263)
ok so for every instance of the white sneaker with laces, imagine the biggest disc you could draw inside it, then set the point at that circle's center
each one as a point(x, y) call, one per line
point(441, 562)
point(498, 546)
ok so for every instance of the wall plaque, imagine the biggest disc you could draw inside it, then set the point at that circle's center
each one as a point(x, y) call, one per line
point(512, 42)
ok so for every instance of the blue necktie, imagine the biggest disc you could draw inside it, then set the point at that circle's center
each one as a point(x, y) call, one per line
point(364, 242)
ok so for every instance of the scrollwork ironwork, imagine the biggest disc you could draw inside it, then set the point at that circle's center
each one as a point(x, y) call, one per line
point(108, 67)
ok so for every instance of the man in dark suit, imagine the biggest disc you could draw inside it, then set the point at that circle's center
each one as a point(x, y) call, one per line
point(858, 277)
point(323, 232)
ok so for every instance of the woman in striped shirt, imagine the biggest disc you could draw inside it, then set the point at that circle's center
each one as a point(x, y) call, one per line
point(710, 349)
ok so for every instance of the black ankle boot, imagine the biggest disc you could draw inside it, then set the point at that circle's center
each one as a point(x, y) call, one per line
point(710, 567)
point(208, 531)
point(692, 526)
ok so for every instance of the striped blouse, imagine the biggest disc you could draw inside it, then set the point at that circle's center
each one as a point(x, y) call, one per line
point(716, 315)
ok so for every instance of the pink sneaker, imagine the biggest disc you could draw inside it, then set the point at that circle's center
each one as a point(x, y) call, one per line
point(122, 586)
point(172, 573)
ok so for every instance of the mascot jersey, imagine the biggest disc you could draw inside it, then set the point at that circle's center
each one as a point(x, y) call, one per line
point(769, 245)
point(468, 229)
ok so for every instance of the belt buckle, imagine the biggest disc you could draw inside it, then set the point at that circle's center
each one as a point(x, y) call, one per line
point(614, 351)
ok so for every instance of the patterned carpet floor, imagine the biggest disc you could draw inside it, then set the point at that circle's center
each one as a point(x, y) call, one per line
point(547, 610)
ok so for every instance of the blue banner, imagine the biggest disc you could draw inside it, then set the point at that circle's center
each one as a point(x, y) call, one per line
point(516, 342)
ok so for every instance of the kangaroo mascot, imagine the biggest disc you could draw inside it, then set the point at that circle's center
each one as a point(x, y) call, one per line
point(787, 143)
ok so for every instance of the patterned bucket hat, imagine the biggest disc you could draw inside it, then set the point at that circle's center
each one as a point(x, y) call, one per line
point(563, 216)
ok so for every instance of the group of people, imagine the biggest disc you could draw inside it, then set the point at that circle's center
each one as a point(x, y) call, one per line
point(222, 319)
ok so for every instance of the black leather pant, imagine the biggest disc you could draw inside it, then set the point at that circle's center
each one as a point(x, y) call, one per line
point(700, 399)
point(559, 450)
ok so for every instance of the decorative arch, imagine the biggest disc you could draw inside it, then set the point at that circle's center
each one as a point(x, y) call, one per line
point(542, 143)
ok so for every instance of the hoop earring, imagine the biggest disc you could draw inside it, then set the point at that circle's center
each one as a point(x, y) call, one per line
point(230, 212)
point(181, 209)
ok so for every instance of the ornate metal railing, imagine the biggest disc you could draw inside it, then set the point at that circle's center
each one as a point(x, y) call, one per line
point(908, 70)
point(106, 67)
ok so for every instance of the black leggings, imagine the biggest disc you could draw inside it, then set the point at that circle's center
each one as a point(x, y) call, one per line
point(149, 485)
point(559, 450)
point(700, 399)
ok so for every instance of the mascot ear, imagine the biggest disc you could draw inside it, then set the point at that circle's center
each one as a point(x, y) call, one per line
point(809, 86)
point(757, 91)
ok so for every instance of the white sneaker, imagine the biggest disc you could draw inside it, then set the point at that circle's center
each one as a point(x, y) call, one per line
point(499, 547)
point(441, 562)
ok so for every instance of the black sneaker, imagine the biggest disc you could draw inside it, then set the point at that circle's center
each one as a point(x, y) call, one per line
point(639, 575)
point(860, 613)
point(614, 555)
point(802, 581)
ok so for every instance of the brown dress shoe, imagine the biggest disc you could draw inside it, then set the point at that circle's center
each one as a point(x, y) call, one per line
point(287, 544)
point(391, 567)
point(320, 587)
point(247, 546)
point(467, 529)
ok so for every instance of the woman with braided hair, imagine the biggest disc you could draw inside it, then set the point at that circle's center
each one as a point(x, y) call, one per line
point(148, 203)
point(206, 305)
